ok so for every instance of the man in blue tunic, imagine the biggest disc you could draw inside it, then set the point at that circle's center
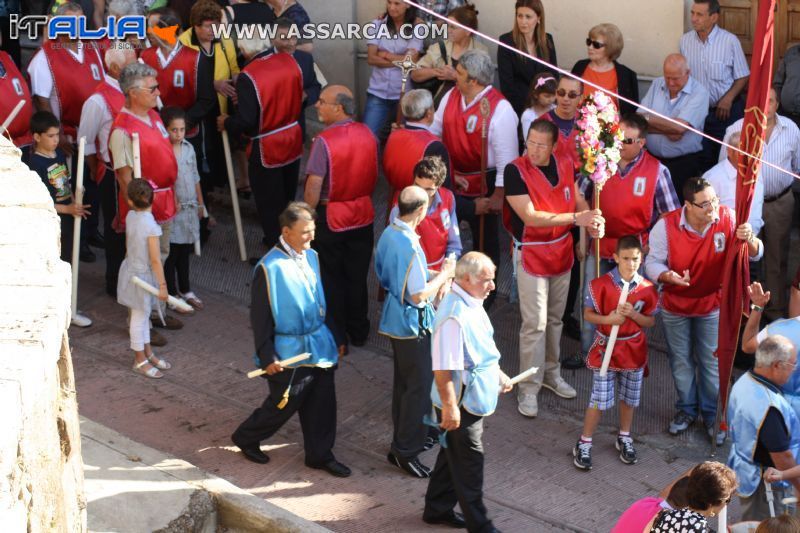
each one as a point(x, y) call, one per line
point(288, 316)
point(407, 319)
point(468, 379)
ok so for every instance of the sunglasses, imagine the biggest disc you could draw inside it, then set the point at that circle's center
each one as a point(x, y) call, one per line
point(572, 95)
point(597, 45)
point(629, 141)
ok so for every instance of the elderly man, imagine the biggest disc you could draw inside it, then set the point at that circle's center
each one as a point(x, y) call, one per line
point(460, 123)
point(289, 317)
point(13, 88)
point(544, 203)
point(438, 232)
point(97, 115)
point(782, 149)
point(406, 146)
point(270, 89)
point(722, 177)
point(681, 97)
point(765, 430)
point(407, 319)
point(716, 59)
point(468, 379)
point(342, 170)
point(688, 248)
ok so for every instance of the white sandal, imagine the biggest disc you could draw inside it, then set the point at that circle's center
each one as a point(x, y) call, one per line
point(151, 372)
point(161, 364)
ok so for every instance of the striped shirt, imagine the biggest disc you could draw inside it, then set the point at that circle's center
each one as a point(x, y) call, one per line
point(716, 63)
point(782, 149)
point(665, 199)
point(722, 177)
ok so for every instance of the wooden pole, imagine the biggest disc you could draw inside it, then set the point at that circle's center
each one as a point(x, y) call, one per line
point(237, 216)
point(77, 197)
point(485, 110)
point(10, 118)
point(597, 189)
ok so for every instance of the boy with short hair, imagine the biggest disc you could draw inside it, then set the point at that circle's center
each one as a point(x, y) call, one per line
point(49, 161)
point(626, 369)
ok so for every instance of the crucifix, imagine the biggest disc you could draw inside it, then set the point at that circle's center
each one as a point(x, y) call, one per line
point(405, 66)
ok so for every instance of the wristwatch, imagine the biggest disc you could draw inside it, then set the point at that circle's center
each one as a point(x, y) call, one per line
point(574, 219)
point(754, 307)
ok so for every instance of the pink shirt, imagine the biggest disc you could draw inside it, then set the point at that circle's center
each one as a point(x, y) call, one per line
point(638, 515)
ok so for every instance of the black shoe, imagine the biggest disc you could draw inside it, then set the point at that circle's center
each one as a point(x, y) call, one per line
point(430, 442)
point(452, 519)
point(254, 261)
point(252, 453)
point(334, 468)
point(97, 240)
point(572, 328)
point(412, 466)
point(87, 255)
point(358, 342)
point(572, 362)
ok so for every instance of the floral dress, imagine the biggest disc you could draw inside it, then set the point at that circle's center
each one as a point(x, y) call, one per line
point(680, 521)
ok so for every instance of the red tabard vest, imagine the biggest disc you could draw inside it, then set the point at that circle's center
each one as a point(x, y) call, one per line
point(704, 257)
point(461, 134)
point(13, 88)
point(404, 149)
point(546, 252)
point(627, 204)
point(115, 101)
point(279, 84)
point(353, 160)
point(159, 166)
point(566, 146)
point(177, 80)
point(73, 82)
point(434, 229)
point(630, 350)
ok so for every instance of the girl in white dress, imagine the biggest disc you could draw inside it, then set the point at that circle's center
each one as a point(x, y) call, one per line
point(541, 99)
point(142, 259)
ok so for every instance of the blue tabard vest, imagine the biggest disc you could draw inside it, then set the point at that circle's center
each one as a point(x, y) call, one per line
point(790, 328)
point(298, 309)
point(749, 403)
point(397, 253)
point(481, 356)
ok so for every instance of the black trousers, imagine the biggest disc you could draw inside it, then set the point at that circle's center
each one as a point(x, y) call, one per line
point(115, 242)
point(457, 476)
point(313, 397)
point(178, 263)
point(411, 394)
point(682, 168)
point(67, 232)
point(272, 188)
point(344, 258)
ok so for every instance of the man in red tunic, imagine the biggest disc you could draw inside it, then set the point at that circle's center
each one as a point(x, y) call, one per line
point(97, 115)
point(13, 89)
point(342, 170)
point(460, 123)
point(270, 97)
point(543, 204)
point(688, 247)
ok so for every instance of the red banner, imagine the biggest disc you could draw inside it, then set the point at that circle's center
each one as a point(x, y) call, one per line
point(736, 277)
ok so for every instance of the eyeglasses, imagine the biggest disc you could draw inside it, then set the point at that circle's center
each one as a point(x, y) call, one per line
point(788, 364)
point(572, 95)
point(630, 140)
point(597, 45)
point(714, 202)
point(152, 89)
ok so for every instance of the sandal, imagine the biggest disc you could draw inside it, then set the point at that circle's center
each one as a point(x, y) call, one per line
point(179, 309)
point(151, 372)
point(161, 364)
point(192, 299)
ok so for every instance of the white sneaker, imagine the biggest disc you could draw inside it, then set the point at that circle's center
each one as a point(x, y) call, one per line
point(80, 320)
point(528, 405)
point(560, 388)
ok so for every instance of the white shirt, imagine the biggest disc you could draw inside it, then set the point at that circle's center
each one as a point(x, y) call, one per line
point(717, 62)
point(502, 143)
point(527, 118)
point(96, 122)
point(722, 177)
point(42, 79)
point(447, 345)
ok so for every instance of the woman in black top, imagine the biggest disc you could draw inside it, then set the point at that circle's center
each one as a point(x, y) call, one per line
point(529, 36)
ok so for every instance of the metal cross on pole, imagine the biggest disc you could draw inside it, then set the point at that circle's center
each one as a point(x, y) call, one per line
point(405, 66)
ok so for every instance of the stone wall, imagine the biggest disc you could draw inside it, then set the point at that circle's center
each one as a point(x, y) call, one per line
point(41, 471)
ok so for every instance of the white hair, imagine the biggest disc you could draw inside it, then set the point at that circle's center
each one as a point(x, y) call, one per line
point(117, 55)
point(132, 75)
point(251, 47)
point(122, 8)
point(416, 103)
point(472, 264)
point(478, 65)
point(774, 349)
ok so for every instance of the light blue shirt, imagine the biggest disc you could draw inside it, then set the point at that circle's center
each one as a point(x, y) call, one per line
point(417, 276)
point(386, 82)
point(716, 63)
point(690, 105)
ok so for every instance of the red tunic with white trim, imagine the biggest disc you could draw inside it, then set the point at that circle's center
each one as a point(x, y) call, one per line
point(703, 257)
point(279, 87)
point(159, 165)
point(461, 134)
point(627, 204)
point(13, 89)
point(404, 149)
point(114, 101)
point(434, 230)
point(567, 144)
point(630, 350)
point(546, 252)
point(177, 77)
point(353, 171)
point(73, 81)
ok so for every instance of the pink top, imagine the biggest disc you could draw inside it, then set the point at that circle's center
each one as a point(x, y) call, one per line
point(638, 515)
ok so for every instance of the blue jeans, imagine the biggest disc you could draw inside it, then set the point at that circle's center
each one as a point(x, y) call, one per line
point(588, 329)
point(376, 111)
point(691, 343)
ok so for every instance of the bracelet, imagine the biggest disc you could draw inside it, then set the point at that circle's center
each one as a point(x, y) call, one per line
point(754, 307)
point(574, 219)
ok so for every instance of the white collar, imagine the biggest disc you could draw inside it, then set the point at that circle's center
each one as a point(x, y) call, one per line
point(471, 301)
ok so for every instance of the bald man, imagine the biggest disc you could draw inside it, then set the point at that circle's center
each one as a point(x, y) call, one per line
point(680, 96)
point(407, 320)
point(342, 170)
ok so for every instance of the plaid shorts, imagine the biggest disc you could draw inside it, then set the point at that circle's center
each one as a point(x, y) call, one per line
point(630, 388)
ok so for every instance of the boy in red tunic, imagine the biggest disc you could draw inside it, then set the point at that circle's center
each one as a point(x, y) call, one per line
point(629, 356)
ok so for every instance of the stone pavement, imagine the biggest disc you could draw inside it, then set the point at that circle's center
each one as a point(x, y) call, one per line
point(530, 485)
